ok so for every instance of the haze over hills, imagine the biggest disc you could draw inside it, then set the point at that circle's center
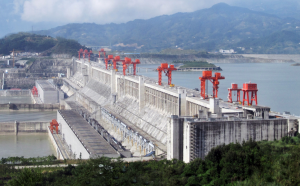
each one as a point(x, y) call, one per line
point(221, 26)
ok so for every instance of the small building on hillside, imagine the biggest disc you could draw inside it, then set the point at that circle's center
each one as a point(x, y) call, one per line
point(231, 51)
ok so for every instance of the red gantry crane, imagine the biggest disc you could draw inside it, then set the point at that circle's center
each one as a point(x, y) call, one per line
point(250, 88)
point(102, 51)
point(80, 52)
point(54, 125)
point(109, 57)
point(126, 62)
point(115, 60)
point(34, 91)
point(136, 62)
point(167, 70)
point(86, 52)
point(234, 87)
point(207, 75)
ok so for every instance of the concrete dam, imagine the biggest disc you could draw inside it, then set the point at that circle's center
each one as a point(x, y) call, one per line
point(137, 117)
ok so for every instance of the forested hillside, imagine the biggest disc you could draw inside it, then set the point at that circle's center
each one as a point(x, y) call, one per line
point(26, 42)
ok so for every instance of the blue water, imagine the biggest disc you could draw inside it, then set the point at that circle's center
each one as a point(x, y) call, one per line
point(278, 83)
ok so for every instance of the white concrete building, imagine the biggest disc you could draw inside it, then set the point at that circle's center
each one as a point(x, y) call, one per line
point(48, 93)
point(231, 51)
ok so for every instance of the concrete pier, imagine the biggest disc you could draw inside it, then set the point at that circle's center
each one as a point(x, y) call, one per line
point(19, 127)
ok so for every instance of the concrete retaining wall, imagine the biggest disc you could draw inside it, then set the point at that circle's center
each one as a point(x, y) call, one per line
point(200, 137)
point(59, 155)
point(17, 93)
point(30, 107)
point(23, 127)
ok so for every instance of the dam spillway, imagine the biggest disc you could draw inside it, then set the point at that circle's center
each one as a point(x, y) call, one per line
point(137, 112)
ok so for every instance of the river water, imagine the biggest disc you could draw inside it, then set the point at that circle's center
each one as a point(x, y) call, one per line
point(278, 83)
point(27, 145)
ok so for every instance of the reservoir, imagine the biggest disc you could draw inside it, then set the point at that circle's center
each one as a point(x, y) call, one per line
point(278, 83)
point(27, 145)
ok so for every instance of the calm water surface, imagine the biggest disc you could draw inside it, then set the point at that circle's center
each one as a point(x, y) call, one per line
point(27, 145)
point(278, 83)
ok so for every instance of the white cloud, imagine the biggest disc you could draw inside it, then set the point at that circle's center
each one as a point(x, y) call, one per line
point(104, 11)
point(18, 6)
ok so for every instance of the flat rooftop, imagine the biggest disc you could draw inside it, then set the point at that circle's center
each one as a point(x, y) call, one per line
point(46, 85)
point(92, 140)
point(22, 62)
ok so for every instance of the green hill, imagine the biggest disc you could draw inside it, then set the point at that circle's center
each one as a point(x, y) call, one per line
point(38, 43)
point(283, 42)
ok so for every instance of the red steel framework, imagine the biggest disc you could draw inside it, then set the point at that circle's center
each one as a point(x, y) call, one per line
point(125, 62)
point(207, 75)
point(86, 52)
point(34, 91)
point(118, 59)
point(109, 57)
point(167, 70)
point(102, 51)
point(136, 62)
point(80, 52)
point(54, 125)
point(234, 87)
point(252, 89)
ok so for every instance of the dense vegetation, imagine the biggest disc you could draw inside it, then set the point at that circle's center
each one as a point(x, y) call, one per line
point(219, 27)
point(25, 42)
point(249, 163)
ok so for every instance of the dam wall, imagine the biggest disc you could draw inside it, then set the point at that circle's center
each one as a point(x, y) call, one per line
point(136, 99)
point(136, 111)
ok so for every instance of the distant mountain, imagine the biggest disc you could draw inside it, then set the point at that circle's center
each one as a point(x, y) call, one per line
point(38, 43)
point(283, 42)
point(283, 9)
point(221, 26)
